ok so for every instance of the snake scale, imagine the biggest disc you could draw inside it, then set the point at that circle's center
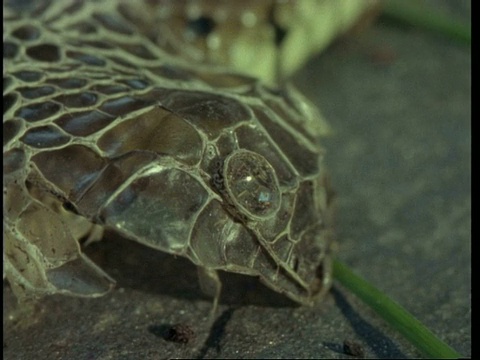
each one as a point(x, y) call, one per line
point(149, 119)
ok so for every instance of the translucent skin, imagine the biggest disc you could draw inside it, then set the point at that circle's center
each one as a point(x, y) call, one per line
point(105, 129)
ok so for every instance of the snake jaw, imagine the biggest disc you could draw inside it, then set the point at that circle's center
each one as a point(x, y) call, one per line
point(41, 253)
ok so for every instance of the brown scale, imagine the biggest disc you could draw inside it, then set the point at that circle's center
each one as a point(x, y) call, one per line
point(84, 123)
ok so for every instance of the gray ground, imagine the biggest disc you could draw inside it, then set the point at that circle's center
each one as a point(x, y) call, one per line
point(399, 101)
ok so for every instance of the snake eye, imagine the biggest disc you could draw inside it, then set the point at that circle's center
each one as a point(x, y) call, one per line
point(201, 26)
point(251, 184)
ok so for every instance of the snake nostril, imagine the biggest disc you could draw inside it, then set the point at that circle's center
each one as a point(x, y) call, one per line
point(201, 26)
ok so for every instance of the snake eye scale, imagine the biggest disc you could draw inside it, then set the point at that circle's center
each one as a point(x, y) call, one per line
point(160, 121)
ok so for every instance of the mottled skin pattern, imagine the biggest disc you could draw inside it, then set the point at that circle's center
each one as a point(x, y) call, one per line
point(103, 129)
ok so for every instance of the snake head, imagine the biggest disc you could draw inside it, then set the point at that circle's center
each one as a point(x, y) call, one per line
point(112, 132)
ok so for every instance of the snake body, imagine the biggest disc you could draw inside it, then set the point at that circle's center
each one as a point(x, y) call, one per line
point(110, 124)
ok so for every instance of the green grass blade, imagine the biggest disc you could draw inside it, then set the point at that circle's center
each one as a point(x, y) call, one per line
point(417, 14)
point(399, 318)
point(414, 13)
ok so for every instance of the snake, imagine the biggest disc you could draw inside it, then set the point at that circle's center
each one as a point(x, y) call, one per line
point(171, 124)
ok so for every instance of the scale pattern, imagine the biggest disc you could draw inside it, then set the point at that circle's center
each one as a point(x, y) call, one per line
point(105, 129)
